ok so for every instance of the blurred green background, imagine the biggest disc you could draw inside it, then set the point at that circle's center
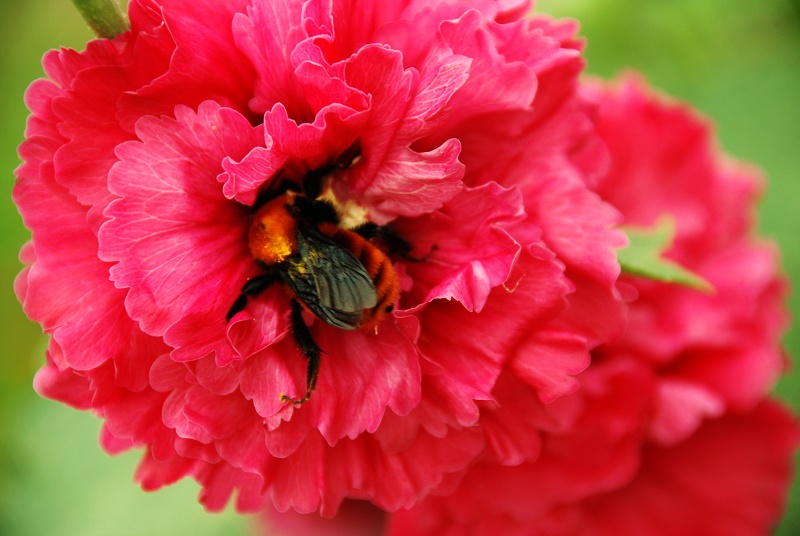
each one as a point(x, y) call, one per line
point(738, 61)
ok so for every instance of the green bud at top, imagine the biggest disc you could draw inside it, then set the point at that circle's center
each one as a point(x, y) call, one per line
point(105, 17)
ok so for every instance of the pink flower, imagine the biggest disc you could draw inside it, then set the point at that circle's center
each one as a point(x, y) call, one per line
point(671, 431)
point(147, 155)
point(716, 351)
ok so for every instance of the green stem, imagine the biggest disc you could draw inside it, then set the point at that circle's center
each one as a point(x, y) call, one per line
point(105, 17)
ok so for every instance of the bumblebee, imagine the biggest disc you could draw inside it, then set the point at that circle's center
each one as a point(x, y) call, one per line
point(338, 275)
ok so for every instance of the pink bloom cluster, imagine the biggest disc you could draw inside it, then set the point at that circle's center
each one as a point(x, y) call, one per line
point(671, 431)
point(463, 127)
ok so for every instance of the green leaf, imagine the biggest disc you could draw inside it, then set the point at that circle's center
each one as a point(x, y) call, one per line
point(106, 18)
point(644, 256)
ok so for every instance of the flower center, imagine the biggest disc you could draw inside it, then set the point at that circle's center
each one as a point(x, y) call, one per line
point(321, 251)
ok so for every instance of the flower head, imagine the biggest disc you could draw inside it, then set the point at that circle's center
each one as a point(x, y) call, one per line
point(149, 159)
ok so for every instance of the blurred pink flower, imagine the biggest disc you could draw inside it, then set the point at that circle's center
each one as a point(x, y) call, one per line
point(145, 154)
point(671, 431)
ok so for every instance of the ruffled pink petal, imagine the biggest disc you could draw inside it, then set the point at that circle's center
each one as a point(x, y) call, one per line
point(576, 225)
point(470, 252)
point(67, 386)
point(597, 451)
point(84, 108)
point(106, 93)
point(459, 372)
point(555, 351)
point(241, 180)
point(494, 84)
point(411, 183)
point(549, 360)
point(601, 449)
point(219, 482)
point(317, 477)
point(442, 73)
point(422, 18)
point(261, 324)
point(153, 473)
point(326, 90)
point(204, 63)
point(539, 43)
point(133, 416)
point(361, 375)
point(553, 123)
point(511, 10)
point(166, 374)
point(680, 409)
point(113, 444)
point(344, 27)
point(268, 34)
point(67, 287)
point(389, 480)
point(511, 440)
point(199, 414)
point(173, 219)
point(392, 178)
point(334, 129)
point(292, 147)
point(543, 54)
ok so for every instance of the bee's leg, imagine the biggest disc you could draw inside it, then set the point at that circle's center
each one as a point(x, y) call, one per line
point(251, 289)
point(305, 341)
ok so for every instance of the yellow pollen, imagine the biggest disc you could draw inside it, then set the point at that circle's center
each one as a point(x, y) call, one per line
point(275, 250)
point(272, 232)
point(351, 214)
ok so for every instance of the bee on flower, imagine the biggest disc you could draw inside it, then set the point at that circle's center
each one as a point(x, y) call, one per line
point(302, 255)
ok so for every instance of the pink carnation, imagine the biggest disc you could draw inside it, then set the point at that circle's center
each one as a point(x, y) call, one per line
point(146, 154)
point(671, 431)
point(715, 351)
